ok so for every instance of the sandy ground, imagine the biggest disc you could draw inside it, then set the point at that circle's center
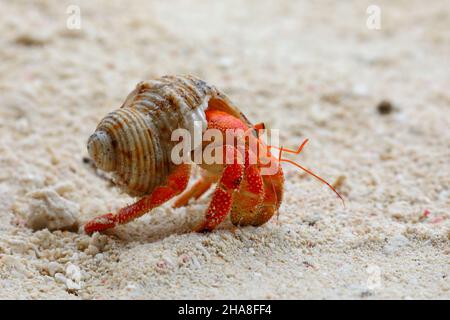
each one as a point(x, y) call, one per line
point(310, 69)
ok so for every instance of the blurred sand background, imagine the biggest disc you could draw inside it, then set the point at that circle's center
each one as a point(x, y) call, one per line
point(310, 69)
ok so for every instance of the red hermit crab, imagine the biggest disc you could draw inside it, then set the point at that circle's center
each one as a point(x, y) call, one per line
point(135, 143)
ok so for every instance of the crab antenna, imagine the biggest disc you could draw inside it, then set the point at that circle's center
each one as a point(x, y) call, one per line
point(303, 168)
point(300, 148)
point(315, 176)
point(292, 151)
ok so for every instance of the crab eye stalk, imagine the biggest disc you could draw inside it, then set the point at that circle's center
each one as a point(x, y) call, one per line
point(101, 150)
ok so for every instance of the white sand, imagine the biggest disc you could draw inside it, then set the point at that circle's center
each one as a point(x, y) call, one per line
point(312, 70)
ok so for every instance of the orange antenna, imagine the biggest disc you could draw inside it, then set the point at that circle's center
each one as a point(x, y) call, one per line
point(260, 126)
point(315, 176)
point(291, 151)
point(303, 168)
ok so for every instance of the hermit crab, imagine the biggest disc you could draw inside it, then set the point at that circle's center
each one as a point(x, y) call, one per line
point(135, 143)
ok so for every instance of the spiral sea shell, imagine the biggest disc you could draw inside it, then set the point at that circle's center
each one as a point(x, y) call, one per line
point(134, 142)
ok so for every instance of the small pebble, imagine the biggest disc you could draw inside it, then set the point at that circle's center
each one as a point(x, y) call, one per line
point(59, 277)
point(384, 107)
point(92, 250)
point(50, 210)
point(82, 256)
point(75, 257)
point(53, 267)
point(73, 272)
point(195, 262)
point(99, 256)
point(72, 285)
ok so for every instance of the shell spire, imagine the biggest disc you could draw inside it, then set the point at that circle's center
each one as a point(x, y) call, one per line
point(100, 150)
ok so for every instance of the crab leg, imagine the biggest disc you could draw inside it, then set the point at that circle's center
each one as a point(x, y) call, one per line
point(222, 198)
point(249, 197)
point(273, 195)
point(176, 183)
point(197, 190)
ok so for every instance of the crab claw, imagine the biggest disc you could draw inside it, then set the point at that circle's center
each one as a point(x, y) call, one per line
point(100, 223)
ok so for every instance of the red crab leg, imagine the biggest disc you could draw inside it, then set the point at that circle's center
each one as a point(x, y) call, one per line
point(273, 195)
point(222, 198)
point(197, 189)
point(249, 197)
point(176, 183)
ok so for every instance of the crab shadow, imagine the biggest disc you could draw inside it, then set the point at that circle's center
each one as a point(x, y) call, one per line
point(160, 223)
point(164, 222)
